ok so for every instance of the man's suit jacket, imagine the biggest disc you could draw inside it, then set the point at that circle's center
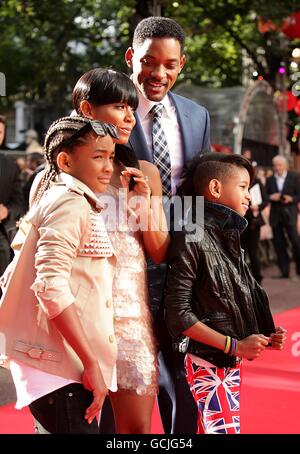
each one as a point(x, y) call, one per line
point(10, 193)
point(284, 212)
point(194, 125)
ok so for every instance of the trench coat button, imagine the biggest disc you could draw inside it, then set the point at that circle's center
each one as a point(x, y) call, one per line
point(108, 303)
point(111, 338)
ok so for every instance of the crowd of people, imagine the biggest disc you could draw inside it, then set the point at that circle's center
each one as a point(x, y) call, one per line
point(118, 305)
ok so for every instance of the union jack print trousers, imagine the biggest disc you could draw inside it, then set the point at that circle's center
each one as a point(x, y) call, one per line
point(216, 392)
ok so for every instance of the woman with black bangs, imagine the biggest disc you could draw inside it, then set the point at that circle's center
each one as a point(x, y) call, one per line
point(111, 96)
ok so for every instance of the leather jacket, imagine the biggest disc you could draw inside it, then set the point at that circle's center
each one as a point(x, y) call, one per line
point(209, 281)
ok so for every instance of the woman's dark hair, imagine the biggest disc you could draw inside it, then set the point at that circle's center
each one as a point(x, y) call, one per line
point(126, 156)
point(64, 134)
point(204, 167)
point(104, 86)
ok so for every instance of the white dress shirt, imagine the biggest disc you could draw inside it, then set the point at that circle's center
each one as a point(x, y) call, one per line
point(280, 179)
point(170, 125)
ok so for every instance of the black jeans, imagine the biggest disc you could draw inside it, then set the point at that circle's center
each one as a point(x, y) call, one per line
point(63, 410)
point(249, 242)
point(281, 246)
point(177, 407)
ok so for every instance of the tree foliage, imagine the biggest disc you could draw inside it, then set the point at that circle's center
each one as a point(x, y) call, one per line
point(223, 36)
point(45, 46)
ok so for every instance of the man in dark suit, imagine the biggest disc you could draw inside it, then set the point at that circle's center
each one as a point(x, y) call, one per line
point(11, 204)
point(156, 58)
point(3, 144)
point(284, 194)
point(250, 236)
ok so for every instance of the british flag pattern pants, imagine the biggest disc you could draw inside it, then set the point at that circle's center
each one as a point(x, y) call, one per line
point(216, 392)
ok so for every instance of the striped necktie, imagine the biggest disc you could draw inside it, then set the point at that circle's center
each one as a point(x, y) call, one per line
point(161, 155)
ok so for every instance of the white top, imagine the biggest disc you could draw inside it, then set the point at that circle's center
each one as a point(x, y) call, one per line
point(32, 383)
point(170, 125)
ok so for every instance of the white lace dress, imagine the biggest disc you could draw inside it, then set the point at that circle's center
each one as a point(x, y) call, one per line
point(137, 367)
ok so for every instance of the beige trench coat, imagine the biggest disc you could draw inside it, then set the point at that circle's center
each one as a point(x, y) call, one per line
point(64, 257)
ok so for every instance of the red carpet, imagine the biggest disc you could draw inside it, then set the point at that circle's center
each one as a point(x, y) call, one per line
point(271, 385)
point(270, 393)
point(14, 421)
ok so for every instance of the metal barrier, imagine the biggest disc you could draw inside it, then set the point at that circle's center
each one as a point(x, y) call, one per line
point(14, 153)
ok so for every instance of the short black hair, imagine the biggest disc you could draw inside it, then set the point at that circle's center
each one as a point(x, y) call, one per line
point(204, 168)
point(126, 156)
point(220, 169)
point(158, 27)
point(3, 119)
point(104, 86)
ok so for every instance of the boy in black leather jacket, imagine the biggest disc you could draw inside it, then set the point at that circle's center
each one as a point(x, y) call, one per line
point(211, 296)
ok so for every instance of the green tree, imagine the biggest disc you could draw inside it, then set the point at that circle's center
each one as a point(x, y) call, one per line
point(222, 34)
point(46, 46)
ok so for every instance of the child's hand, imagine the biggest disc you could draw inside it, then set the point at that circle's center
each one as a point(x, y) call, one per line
point(93, 381)
point(252, 346)
point(278, 338)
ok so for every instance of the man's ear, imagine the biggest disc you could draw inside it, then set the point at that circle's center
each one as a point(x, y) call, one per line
point(215, 188)
point(86, 109)
point(128, 56)
point(182, 61)
point(63, 161)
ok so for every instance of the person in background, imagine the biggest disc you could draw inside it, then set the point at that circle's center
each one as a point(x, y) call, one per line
point(35, 164)
point(32, 142)
point(247, 153)
point(11, 201)
point(261, 175)
point(25, 172)
point(2, 132)
point(251, 235)
point(283, 188)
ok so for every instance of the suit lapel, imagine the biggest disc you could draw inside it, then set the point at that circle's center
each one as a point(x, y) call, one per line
point(138, 143)
point(274, 181)
point(185, 125)
point(286, 183)
point(2, 182)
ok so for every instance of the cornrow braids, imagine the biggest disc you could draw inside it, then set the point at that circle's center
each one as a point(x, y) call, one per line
point(64, 133)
